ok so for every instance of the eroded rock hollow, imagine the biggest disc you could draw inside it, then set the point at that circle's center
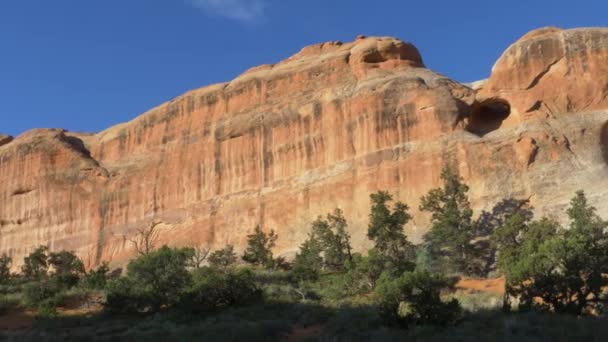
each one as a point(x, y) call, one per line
point(284, 143)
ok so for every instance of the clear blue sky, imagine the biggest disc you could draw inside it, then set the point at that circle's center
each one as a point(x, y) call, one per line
point(85, 65)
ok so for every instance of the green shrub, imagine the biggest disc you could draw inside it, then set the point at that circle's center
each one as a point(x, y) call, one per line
point(35, 265)
point(97, 279)
point(67, 268)
point(415, 299)
point(308, 262)
point(280, 263)
point(5, 268)
point(479, 301)
point(259, 248)
point(564, 267)
point(43, 295)
point(153, 280)
point(213, 290)
point(124, 296)
point(223, 258)
point(364, 271)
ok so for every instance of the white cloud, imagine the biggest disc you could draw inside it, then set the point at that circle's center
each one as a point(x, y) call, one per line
point(244, 10)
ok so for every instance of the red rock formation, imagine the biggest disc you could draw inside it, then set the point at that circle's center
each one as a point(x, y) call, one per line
point(5, 139)
point(551, 71)
point(282, 144)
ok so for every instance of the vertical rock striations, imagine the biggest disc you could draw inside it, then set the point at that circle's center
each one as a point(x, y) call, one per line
point(284, 143)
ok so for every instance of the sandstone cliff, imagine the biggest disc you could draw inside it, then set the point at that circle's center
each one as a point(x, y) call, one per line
point(284, 143)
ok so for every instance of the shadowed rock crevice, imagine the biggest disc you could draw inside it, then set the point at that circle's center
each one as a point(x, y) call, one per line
point(77, 145)
point(487, 116)
point(604, 142)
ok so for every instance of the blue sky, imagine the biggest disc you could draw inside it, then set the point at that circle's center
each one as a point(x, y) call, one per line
point(85, 65)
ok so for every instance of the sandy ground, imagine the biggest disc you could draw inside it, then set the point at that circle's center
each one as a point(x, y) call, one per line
point(494, 285)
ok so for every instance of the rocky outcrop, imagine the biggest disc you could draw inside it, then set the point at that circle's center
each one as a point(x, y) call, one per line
point(284, 143)
point(5, 139)
point(549, 72)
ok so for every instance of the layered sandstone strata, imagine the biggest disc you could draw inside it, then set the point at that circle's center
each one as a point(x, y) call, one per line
point(284, 143)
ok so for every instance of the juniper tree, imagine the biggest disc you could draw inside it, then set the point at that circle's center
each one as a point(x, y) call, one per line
point(449, 239)
point(563, 267)
point(333, 239)
point(308, 262)
point(259, 248)
point(386, 229)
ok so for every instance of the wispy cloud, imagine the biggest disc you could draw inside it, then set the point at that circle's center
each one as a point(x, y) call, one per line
point(243, 10)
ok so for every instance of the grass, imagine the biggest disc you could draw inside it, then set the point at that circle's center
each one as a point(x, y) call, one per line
point(337, 318)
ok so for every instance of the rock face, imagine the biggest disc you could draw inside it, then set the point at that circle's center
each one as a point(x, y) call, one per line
point(284, 143)
point(5, 139)
point(550, 71)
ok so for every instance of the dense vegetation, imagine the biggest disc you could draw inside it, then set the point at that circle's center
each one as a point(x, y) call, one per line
point(397, 290)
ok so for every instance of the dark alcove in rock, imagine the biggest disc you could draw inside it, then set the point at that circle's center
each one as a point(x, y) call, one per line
point(487, 116)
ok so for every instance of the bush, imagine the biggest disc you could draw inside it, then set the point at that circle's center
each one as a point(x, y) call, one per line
point(153, 281)
point(223, 258)
point(68, 268)
point(213, 290)
point(35, 265)
point(364, 271)
point(97, 279)
point(308, 262)
point(564, 268)
point(415, 299)
point(124, 296)
point(259, 248)
point(5, 268)
point(43, 295)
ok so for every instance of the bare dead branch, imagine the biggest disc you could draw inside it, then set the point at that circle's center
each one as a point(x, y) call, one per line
point(145, 238)
point(199, 256)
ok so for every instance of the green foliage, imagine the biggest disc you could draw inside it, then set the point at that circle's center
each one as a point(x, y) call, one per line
point(35, 265)
point(8, 302)
point(449, 239)
point(97, 279)
point(67, 268)
point(259, 248)
point(564, 268)
point(125, 295)
point(333, 238)
point(280, 263)
point(42, 295)
point(415, 299)
point(153, 281)
point(363, 272)
point(223, 258)
point(386, 229)
point(214, 290)
point(5, 268)
point(308, 262)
